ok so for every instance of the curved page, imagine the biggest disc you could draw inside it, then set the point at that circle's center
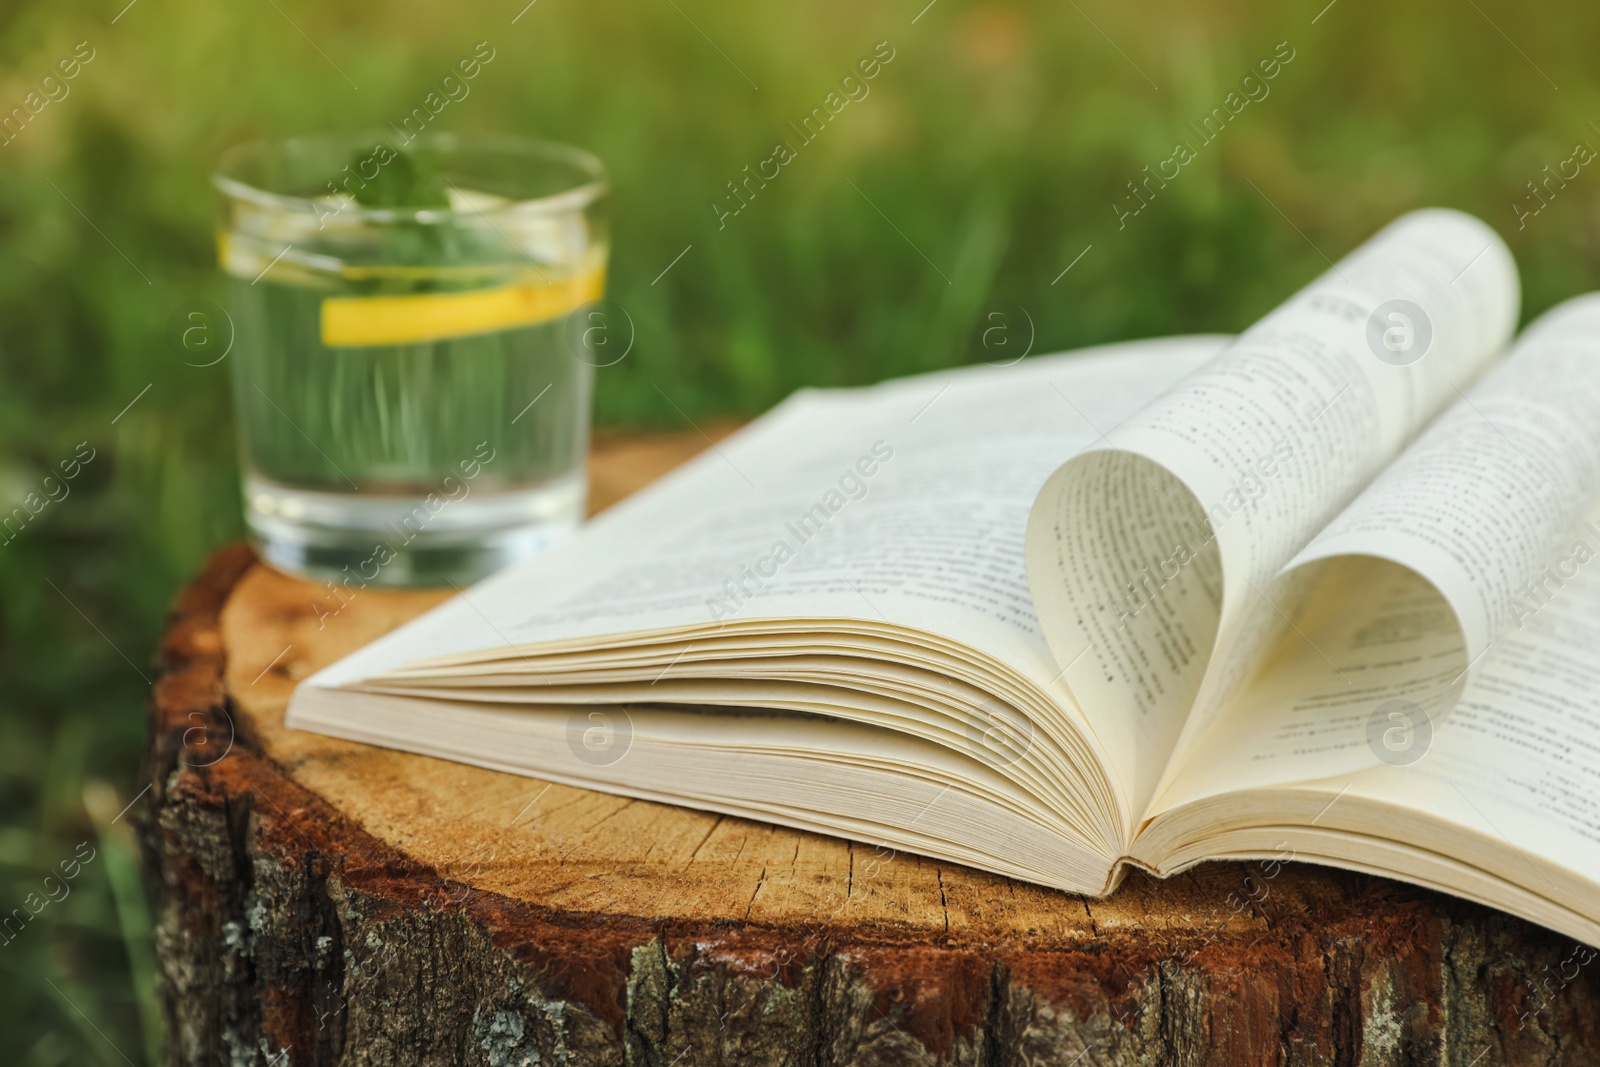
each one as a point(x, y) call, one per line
point(1466, 537)
point(1147, 553)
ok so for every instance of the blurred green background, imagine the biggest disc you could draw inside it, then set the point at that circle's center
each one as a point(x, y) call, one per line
point(984, 161)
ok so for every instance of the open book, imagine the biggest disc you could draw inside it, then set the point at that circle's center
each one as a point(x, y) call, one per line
point(1320, 590)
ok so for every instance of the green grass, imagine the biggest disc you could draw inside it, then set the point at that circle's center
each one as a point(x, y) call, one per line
point(985, 159)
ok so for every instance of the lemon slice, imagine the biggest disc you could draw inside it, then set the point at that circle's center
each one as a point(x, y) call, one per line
point(364, 321)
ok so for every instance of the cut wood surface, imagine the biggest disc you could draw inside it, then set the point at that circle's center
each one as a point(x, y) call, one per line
point(325, 902)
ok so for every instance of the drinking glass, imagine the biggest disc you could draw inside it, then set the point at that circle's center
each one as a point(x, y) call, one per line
point(413, 365)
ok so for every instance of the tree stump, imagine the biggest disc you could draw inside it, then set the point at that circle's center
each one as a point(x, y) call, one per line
point(323, 902)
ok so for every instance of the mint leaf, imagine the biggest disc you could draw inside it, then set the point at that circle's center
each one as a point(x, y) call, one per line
point(404, 181)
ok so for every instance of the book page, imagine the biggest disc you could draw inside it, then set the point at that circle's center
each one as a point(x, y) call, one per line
point(1460, 542)
point(1484, 502)
point(906, 492)
point(883, 512)
point(1149, 554)
point(1508, 784)
point(1518, 761)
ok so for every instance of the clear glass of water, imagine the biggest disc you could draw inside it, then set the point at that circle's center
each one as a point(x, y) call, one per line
point(412, 361)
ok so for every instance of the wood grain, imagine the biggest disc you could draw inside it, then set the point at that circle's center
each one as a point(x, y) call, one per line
point(324, 902)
